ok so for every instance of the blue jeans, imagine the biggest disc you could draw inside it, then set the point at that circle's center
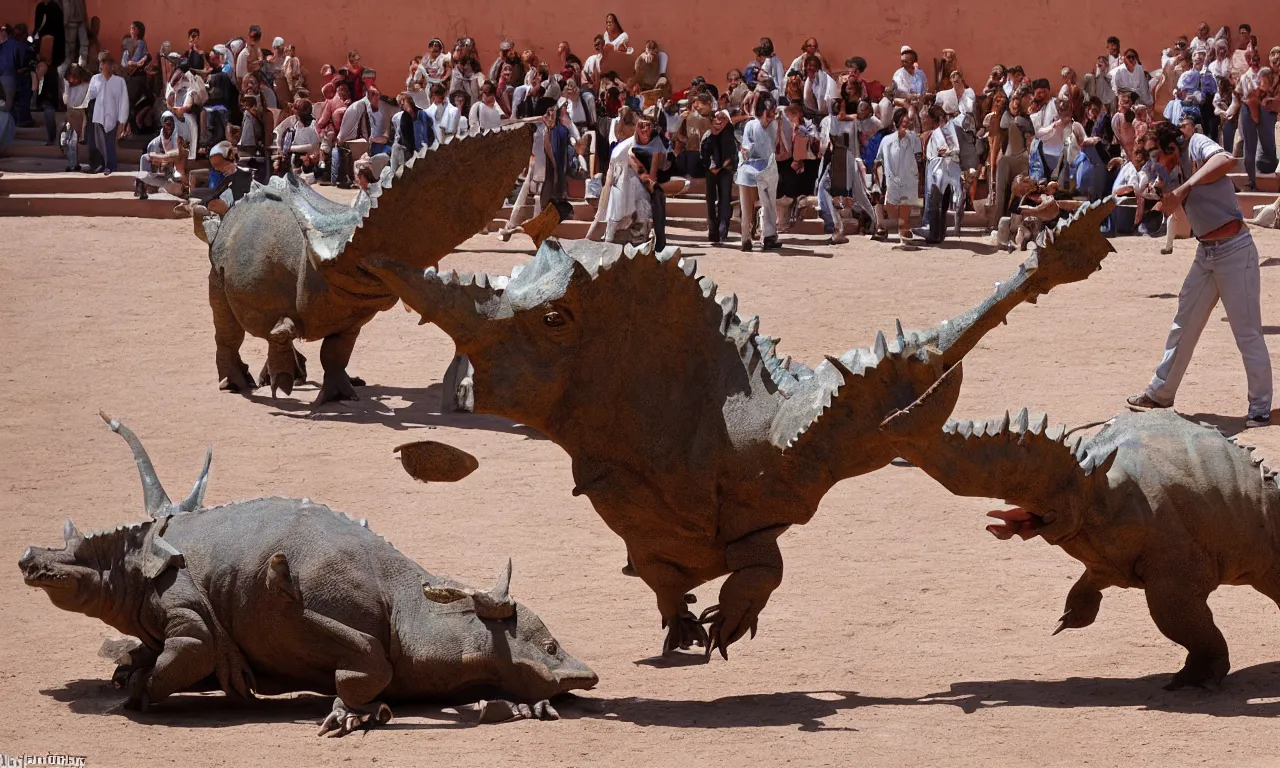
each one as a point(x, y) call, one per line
point(1267, 161)
point(379, 149)
point(9, 84)
point(105, 142)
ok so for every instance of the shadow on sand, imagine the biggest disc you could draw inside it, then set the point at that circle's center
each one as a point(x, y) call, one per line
point(422, 410)
point(1249, 692)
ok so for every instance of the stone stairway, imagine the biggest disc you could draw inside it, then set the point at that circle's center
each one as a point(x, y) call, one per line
point(34, 181)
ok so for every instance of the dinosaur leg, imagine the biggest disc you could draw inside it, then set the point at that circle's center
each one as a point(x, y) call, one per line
point(1181, 611)
point(362, 672)
point(228, 335)
point(1082, 602)
point(335, 353)
point(671, 585)
point(757, 571)
point(188, 657)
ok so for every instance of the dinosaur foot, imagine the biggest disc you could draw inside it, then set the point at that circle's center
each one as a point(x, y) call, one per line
point(356, 381)
point(684, 632)
point(1201, 671)
point(501, 711)
point(343, 719)
point(336, 387)
point(236, 379)
point(1017, 521)
point(727, 628)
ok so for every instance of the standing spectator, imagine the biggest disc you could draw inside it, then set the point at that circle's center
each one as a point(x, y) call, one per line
point(1017, 131)
point(49, 23)
point(1098, 147)
point(898, 164)
point(223, 103)
point(76, 21)
point(1251, 116)
point(1226, 108)
point(1097, 84)
point(649, 153)
point(819, 89)
point(720, 157)
point(1226, 267)
point(110, 114)
point(75, 95)
point(797, 162)
point(757, 175)
point(1130, 76)
point(11, 61)
point(194, 56)
point(943, 181)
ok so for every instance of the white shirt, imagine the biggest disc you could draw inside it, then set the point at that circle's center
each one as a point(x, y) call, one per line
point(955, 105)
point(112, 106)
point(818, 93)
point(484, 117)
point(943, 158)
point(1200, 45)
point(447, 120)
point(884, 111)
point(1124, 80)
point(619, 43)
point(591, 67)
point(1047, 132)
point(910, 83)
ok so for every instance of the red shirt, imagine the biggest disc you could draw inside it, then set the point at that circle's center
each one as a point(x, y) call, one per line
point(357, 90)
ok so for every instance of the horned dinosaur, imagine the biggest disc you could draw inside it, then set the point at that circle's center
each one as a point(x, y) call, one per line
point(279, 595)
point(1152, 501)
point(695, 442)
point(286, 262)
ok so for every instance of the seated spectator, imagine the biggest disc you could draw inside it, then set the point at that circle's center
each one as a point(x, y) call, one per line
point(485, 114)
point(412, 131)
point(820, 90)
point(615, 39)
point(228, 182)
point(301, 142)
point(1097, 84)
point(807, 49)
point(295, 77)
point(651, 72)
point(157, 166)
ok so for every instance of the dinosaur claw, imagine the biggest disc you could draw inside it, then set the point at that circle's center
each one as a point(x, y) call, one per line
point(1062, 624)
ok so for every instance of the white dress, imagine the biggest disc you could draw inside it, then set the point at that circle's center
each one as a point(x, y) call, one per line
point(901, 173)
point(628, 199)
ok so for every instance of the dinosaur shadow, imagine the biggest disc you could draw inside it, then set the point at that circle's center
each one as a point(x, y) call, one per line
point(214, 710)
point(1163, 296)
point(1271, 262)
point(799, 708)
point(421, 412)
point(1249, 692)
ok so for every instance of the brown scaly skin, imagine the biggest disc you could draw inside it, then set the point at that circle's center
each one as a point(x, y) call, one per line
point(1152, 502)
point(312, 601)
point(287, 263)
point(694, 442)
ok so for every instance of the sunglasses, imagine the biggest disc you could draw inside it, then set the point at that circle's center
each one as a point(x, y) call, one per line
point(1130, 57)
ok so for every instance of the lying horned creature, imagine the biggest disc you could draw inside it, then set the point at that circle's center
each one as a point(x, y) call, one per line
point(280, 595)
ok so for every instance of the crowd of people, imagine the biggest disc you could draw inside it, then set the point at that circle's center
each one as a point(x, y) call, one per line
point(916, 148)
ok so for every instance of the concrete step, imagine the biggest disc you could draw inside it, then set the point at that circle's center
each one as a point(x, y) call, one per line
point(115, 204)
point(30, 134)
point(64, 183)
point(1250, 200)
point(32, 165)
point(125, 156)
point(1266, 183)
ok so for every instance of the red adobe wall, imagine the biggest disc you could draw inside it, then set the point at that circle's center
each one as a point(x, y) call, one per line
point(701, 37)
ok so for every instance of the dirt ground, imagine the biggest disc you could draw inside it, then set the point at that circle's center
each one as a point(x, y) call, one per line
point(903, 633)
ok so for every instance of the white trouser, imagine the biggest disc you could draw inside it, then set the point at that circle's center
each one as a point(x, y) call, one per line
point(1226, 269)
point(528, 186)
point(767, 188)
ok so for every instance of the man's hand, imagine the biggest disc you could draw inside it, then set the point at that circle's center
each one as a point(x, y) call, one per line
point(1173, 201)
point(1091, 141)
point(123, 130)
point(1114, 163)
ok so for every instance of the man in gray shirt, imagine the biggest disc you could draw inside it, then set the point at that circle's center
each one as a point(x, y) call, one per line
point(1226, 267)
point(366, 118)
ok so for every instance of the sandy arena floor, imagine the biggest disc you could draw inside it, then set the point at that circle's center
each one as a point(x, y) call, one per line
point(903, 633)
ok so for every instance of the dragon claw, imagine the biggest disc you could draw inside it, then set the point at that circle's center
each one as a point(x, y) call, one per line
point(344, 720)
point(684, 632)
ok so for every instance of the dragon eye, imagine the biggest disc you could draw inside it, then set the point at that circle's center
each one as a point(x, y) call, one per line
point(550, 648)
point(554, 319)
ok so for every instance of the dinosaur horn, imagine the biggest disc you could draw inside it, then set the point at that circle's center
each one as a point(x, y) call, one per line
point(496, 603)
point(454, 302)
point(1070, 253)
point(154, 498)
point(196, 497)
